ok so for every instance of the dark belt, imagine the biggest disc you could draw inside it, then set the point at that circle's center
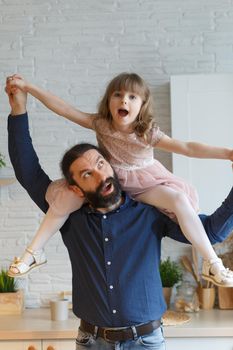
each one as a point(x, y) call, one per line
point(120, 334)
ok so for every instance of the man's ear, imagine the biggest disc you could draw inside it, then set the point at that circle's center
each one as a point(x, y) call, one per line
point(76, 190)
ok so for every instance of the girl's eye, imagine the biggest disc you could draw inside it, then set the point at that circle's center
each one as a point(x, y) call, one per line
point(116, 94)
point(132, 97)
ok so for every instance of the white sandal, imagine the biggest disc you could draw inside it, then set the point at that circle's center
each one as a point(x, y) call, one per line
point(221, 277)
point(23, 268)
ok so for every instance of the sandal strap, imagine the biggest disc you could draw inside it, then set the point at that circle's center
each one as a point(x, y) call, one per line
point(30, 251)
point(220, 275)
point(38, 255)
point(21, 266)
point(215, 261)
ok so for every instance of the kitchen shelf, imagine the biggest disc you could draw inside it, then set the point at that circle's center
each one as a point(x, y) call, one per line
point(7, 181)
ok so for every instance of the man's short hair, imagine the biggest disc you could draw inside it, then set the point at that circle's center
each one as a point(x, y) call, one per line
point(74, 153)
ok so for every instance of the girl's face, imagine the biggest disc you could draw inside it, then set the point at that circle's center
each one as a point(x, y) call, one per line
point(124, 107)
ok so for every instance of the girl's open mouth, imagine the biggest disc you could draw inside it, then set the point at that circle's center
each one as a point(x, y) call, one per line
point(123, 112)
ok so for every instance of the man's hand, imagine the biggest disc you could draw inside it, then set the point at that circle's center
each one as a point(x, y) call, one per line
point(17, 98)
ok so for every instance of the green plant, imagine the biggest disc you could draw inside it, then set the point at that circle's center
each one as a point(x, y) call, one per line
point(170, 273)
point(2, 162)
point(7, 284)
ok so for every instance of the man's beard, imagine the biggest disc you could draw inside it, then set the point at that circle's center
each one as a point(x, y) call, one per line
point(97, 200)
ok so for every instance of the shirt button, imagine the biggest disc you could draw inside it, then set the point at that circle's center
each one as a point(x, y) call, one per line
point(106, 239)
point(114, 311)
point(111, 286)
point(104, 216)
point(109, 263)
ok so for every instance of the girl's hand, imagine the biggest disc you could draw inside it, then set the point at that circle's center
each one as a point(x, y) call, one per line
point(15, 82)
point(17, 100)
point(231, 156)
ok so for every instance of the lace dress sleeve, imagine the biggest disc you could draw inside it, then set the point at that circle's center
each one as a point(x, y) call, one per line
point(155, 135)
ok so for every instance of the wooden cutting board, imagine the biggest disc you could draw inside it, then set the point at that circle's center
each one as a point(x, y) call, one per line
point(225, 298)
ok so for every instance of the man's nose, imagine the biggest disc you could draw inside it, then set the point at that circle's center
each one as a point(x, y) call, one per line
point(100, 176)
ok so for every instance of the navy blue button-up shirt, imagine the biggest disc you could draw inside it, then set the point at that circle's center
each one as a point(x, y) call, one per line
point(114, 256)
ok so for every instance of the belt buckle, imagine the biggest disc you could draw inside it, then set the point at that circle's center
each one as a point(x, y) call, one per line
point(105, 336)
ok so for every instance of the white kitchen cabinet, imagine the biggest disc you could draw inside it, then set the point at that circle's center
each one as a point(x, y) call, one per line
point(201, 110)
point(171, 344)
point(199, 343)
point(58, 344)
point(53, 344)
point(20, 345)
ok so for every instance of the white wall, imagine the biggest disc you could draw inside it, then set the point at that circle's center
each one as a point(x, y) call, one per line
point(73, 48)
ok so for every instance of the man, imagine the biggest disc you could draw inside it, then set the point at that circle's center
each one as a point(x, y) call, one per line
point(114, 243)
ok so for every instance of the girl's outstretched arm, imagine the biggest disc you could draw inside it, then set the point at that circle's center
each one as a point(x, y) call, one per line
point(194, 149)
point(52, 102)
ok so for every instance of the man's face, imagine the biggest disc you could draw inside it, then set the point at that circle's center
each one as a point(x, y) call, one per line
point(96, 180)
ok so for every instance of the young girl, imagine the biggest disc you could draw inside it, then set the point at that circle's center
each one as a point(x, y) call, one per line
point(125, 129)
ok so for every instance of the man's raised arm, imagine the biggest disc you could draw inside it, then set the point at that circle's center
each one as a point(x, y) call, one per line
point(22, 154)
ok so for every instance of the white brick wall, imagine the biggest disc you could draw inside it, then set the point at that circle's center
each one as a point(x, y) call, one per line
point(73, 48)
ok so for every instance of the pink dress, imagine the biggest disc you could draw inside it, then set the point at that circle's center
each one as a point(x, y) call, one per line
point(132, 158)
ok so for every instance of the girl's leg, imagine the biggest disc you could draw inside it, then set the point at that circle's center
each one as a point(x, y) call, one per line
point(51, 223)
point(49, 226)
point(166, 198)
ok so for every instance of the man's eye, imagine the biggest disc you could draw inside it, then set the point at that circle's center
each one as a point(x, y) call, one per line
point(101, 163)
point(86, 175)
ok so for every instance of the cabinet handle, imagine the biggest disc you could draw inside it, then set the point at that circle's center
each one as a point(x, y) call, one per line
point(50, 347)
point(31, 347)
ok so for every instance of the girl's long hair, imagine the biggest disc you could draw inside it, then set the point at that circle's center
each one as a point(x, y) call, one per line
point(133, 83)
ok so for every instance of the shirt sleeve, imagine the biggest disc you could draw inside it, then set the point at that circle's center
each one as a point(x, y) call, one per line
point(25, 162)
point(218, 226)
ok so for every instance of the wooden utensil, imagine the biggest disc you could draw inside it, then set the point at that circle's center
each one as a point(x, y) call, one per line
point(195, 266)
point(188, 266)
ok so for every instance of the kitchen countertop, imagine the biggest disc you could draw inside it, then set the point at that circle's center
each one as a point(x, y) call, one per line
point(205, 323)
point(36, 324)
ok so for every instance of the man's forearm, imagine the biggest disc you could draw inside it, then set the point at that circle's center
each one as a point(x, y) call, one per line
point(219, 225)
point(17, 110)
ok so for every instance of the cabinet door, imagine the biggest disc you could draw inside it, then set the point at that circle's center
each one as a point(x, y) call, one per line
point(58, 344)
point(225, 343)
point(20, 345)
point(201, 110)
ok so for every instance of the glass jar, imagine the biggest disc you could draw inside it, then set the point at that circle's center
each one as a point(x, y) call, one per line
point(186, 298)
